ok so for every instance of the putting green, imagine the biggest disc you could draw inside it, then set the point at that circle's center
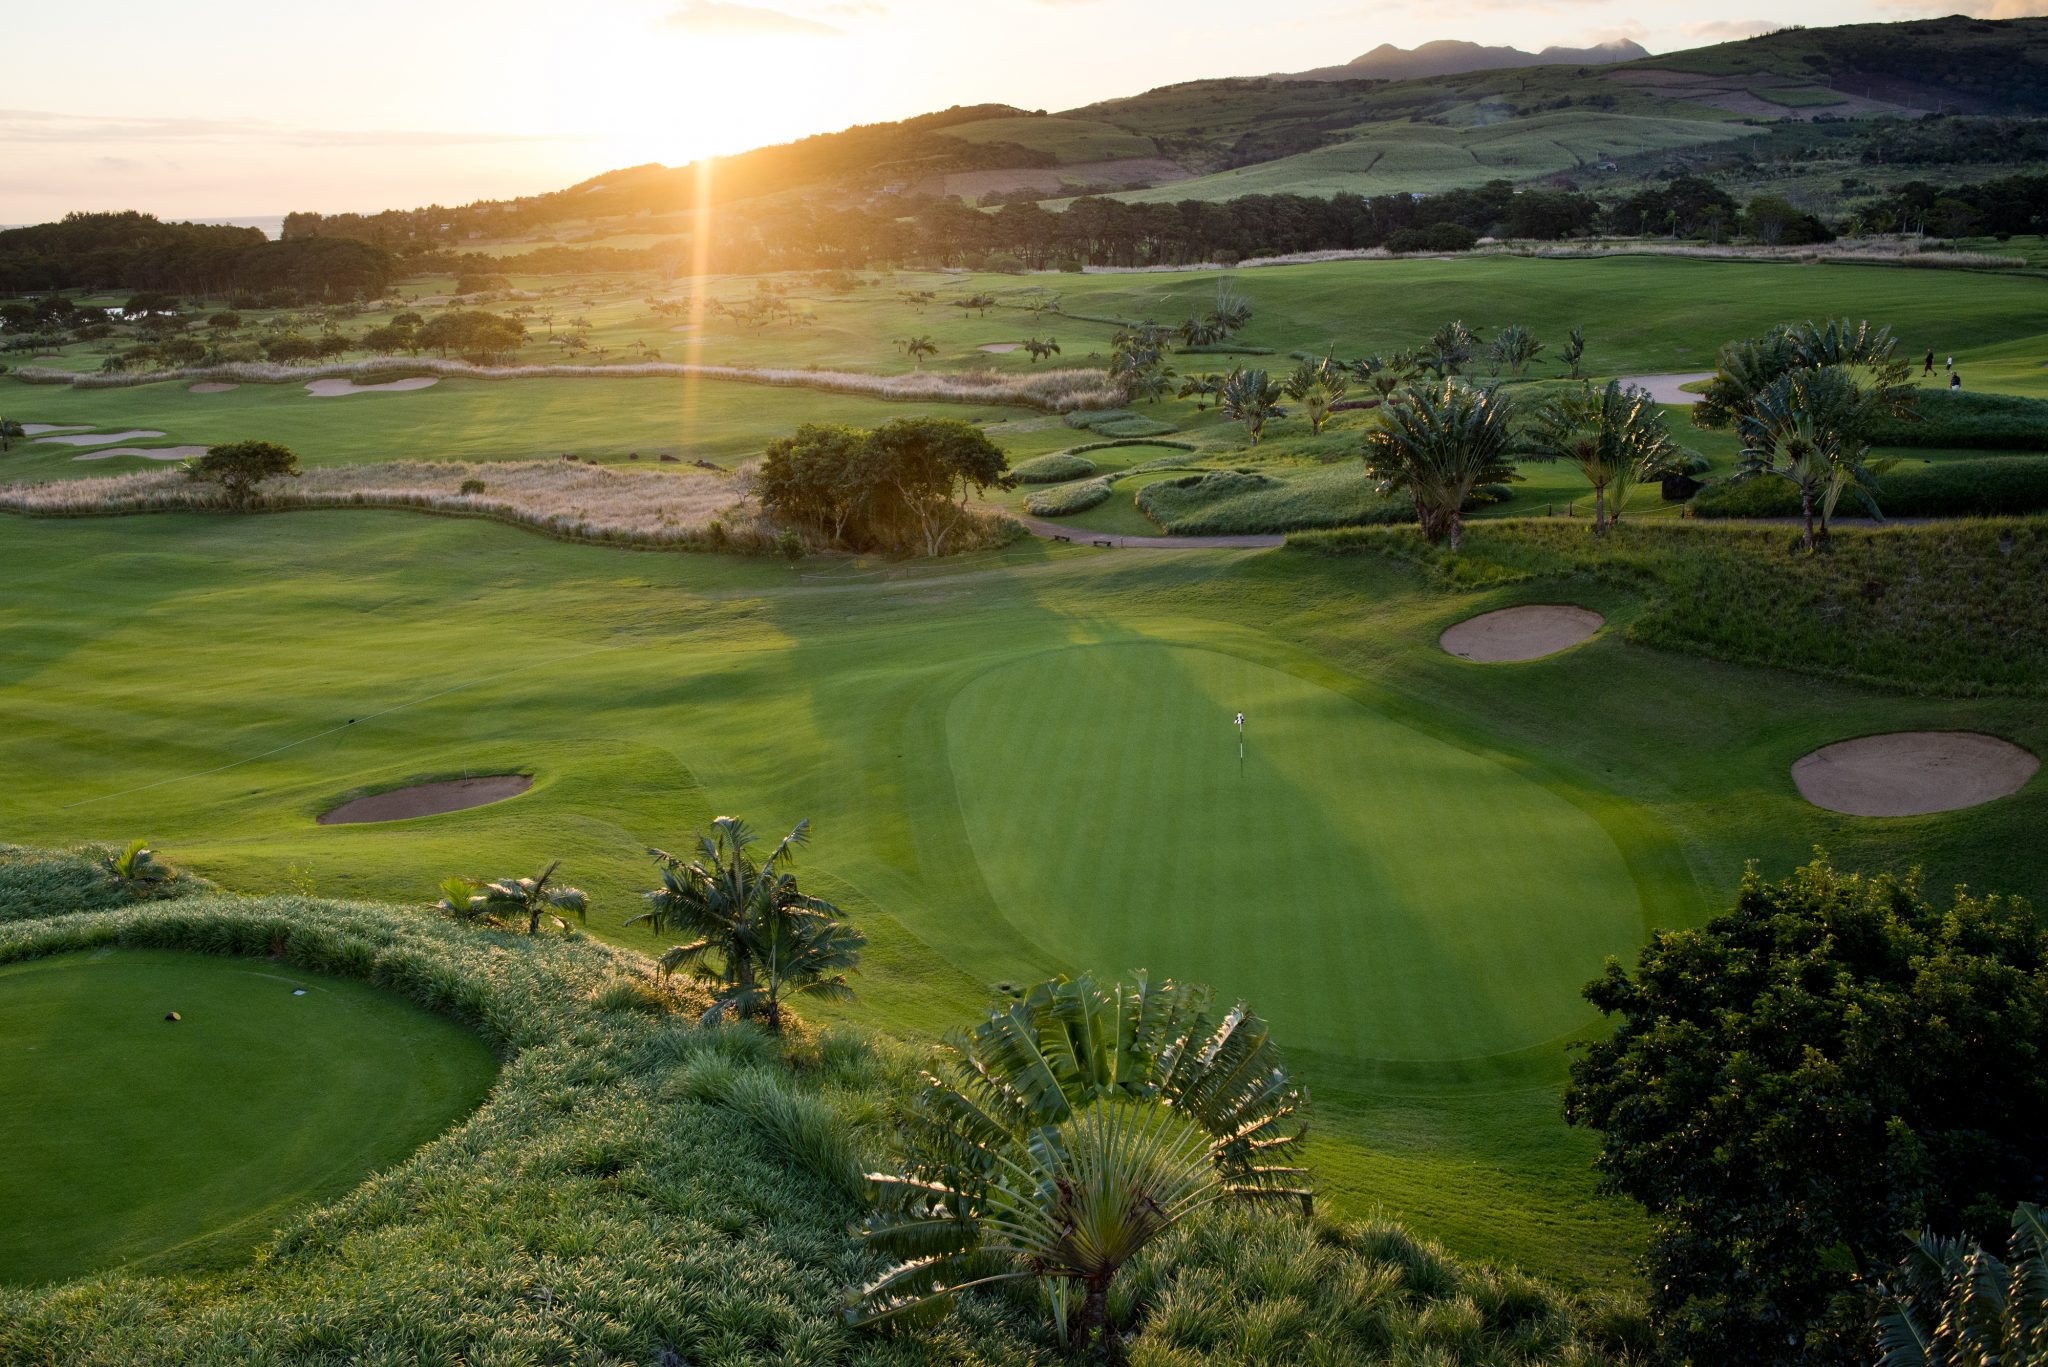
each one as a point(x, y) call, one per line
point(1373, 890)
point(135, 1140)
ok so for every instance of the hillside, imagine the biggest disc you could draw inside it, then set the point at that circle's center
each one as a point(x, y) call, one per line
point(1451, 57)
point(1551, 119)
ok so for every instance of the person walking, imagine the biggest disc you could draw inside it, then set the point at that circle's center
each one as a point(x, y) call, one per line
point(1930, 363)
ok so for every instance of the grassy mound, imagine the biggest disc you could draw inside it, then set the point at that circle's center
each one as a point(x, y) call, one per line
point(1068, 499)
point(32, 881)
point(133, 1140)
point(1230, 503)
point(1948, 609)
point(1999, 486)
point(1118, 422)
point(640, 1189)
point(1057, 468)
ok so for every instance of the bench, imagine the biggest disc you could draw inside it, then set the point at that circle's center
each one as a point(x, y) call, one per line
point(1058, 537)
point(1105, 543)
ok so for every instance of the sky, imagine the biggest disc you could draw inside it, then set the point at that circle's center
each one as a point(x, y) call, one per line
point(226, 108)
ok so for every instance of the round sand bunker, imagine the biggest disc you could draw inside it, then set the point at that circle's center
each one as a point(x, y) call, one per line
point(1524, 633)
point(1911, 773)
point(329, 389)
point(428, 799)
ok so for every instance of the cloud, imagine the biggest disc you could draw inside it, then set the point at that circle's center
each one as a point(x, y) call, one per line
point(858, 9)
point(720, 19)
point(45, 126)
point(1731, 30)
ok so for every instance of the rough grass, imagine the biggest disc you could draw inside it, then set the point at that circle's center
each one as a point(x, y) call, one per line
point(1952, 608)
point(566, 499)
point(2000, 486)
point(1117, 422)
point(1057, 468)
point(1969, 419)
point(1068, 499)
point(34, 880)
point(638, 1189)
point(1229, 503)
point(1057, 391)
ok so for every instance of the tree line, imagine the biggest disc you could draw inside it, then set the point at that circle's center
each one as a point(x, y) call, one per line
point(135, 251)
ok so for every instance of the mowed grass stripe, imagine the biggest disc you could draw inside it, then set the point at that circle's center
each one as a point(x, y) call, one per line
point(1102, 794)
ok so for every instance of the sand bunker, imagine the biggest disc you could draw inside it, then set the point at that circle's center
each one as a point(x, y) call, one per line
point(1665, 388)
point(99, 438)
point(36, 429)
point(147, 453)
point(328, 389)
point(1003, 347)
point(1911, 773)
point(1525, 633)
point(212, 387)
point(428, 799)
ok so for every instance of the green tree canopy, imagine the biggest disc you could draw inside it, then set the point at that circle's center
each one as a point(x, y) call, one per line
point(1794, 1085)
point(238, 467)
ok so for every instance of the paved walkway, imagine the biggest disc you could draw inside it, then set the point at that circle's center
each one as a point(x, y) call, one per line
point(1665, 388)
point(1081, 536)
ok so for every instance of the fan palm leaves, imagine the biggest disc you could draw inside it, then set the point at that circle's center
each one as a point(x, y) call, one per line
point(1064, 1132)
point(1514, 348)
point(1614, 435)
point(1250, 397)
point(507, 900)
point(135, 868)
point(1448, 350)
point(1438, 443)
point(1806, 426)
point(1744, 369)
point(757, 935)
point(1955, 1305)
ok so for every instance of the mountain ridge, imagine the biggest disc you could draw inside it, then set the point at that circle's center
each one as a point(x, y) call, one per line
point(1458, 56)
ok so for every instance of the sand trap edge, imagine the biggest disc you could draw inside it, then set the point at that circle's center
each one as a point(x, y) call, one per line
point(1529, 631)
point(1913, 773)
point(426, 799)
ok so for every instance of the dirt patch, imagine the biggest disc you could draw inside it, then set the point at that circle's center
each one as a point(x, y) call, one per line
point(212, 387)
point(99, 438)
point(1665, 388)
point(1911, 773)
point(147, 453)
point(1524, 633)
point(1000, 348)
point(428, 799)
point(330, 389)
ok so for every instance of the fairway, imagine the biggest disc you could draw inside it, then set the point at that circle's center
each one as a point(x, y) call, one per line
point(136, 1141)
point(1114, 824)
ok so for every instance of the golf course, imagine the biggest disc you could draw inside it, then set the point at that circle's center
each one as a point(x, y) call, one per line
point(1386, 713)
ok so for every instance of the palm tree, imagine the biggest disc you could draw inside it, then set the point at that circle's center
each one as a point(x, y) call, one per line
point(1575, 350)
point(1440, 442)
point(9, 430)
point(1955, 1305)
point(1514, 348)
point(1040, 350)
point(135, 869)
point(1202, 387)
point(508, 899)
point(1745, 369)
point(919, 347)
point(1061, 1135)
point(1806, 427)
point(1250, 397)
point(1319, 385)
point(1614, 435)
point(1448, 350)
point(756, 931)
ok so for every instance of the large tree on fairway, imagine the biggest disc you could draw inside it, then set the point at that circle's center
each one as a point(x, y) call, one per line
point(1807, 427)
point(1791, 1087)
point(935, 465)
point(238, 467)
point(1439, 442)
point(1057, 1138)
point(757, 936)
point(1615, 436)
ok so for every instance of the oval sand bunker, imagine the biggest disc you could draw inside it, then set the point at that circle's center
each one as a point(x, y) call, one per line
point(1524, 633)
point(1912, 773)
point(428, 799)
point(330, 389)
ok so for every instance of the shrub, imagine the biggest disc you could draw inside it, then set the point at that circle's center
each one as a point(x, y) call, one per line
point(1068, 498)
point(1117, 422)
point(41, 882)
point(1057, 468)
point(1967, 420)
point(472, 486)
point(1994, 487)
point(1437, 237)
